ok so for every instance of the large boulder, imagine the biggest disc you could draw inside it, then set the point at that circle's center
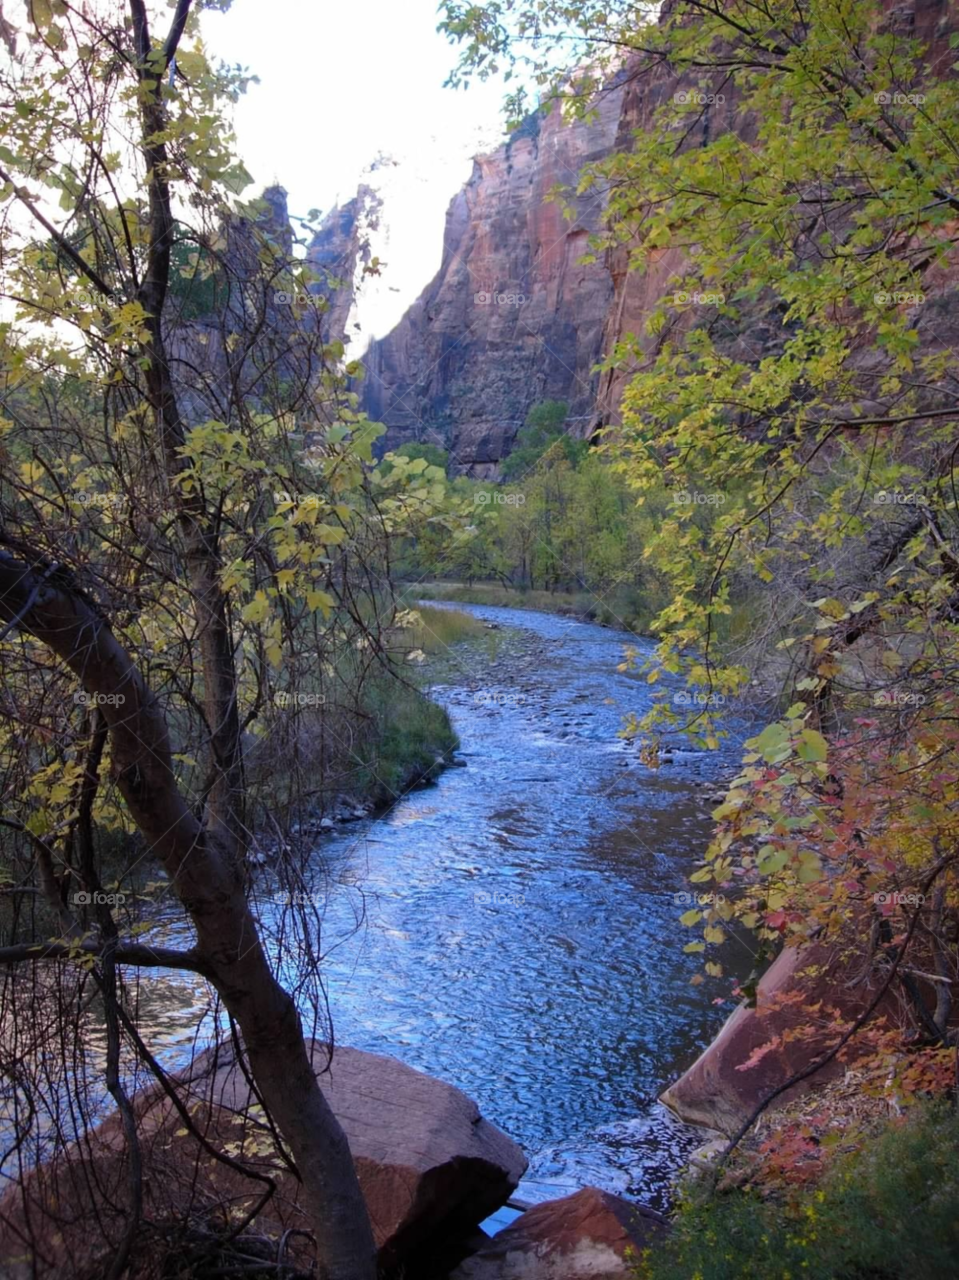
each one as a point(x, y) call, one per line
point(586, 1236)
point(430, 1167)
point(811, 989)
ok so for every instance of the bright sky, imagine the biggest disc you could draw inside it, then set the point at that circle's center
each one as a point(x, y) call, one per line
point(341, 81)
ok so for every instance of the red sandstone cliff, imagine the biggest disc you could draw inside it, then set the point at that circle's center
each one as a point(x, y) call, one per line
point(635, 294)
point(512, 317)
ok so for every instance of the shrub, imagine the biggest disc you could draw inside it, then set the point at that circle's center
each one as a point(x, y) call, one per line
point(886, 1212)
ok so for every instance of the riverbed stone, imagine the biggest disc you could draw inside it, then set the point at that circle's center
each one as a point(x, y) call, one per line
point(585, 1236)
point(429, 1165)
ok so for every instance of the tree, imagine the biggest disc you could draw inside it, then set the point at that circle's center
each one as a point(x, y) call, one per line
point(802, 160)
point(188, 523)
point(432, 454)
point(542, 438)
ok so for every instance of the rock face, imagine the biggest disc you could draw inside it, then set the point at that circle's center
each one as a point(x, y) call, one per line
point(241, 336)
point(719, 1093)
point(757, 333)
point(338, 250)
point(429, 1165)
point(581, 1237)
point(512, 317)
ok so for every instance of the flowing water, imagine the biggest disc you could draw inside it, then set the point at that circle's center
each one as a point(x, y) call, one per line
point(523, 940)
point(521, 936)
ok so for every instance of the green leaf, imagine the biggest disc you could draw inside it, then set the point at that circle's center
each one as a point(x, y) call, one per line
point(41, 13)
point(773, 743)
point(812, 747)
point(771, 860)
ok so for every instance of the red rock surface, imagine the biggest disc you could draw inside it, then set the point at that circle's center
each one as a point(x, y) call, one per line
point(581, 1237)
point(635, 293)
point(429, 1165)
point(512, 317)
point(463, 374)
point(714, 1091)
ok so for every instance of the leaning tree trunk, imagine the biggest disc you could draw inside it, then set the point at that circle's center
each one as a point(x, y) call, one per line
point(202, 856)
point(39, 599)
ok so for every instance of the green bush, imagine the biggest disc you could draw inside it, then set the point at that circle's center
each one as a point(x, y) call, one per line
point(888, 1212)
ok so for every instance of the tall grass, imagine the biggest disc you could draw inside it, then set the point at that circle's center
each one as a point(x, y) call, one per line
point(438, 629)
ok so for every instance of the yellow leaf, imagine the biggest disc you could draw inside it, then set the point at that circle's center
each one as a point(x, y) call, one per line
point(257, 610)
point(320, 600)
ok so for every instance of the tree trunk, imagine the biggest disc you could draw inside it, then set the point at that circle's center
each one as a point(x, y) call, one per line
point(39, 599)
point(202, 855)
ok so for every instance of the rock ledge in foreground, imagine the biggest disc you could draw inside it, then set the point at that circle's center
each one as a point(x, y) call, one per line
point(581, 1237)
point(429, 1165)
point(718, 1094)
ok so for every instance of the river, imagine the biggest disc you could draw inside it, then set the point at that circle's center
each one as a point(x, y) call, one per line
point(524, 940)
point(521, 936)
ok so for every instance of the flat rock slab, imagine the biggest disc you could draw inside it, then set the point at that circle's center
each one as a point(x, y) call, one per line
point(429, 1165)
point(584, 1236)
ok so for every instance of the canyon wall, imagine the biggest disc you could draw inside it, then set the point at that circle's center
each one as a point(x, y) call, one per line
point(758, 331)
point(512, 317)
